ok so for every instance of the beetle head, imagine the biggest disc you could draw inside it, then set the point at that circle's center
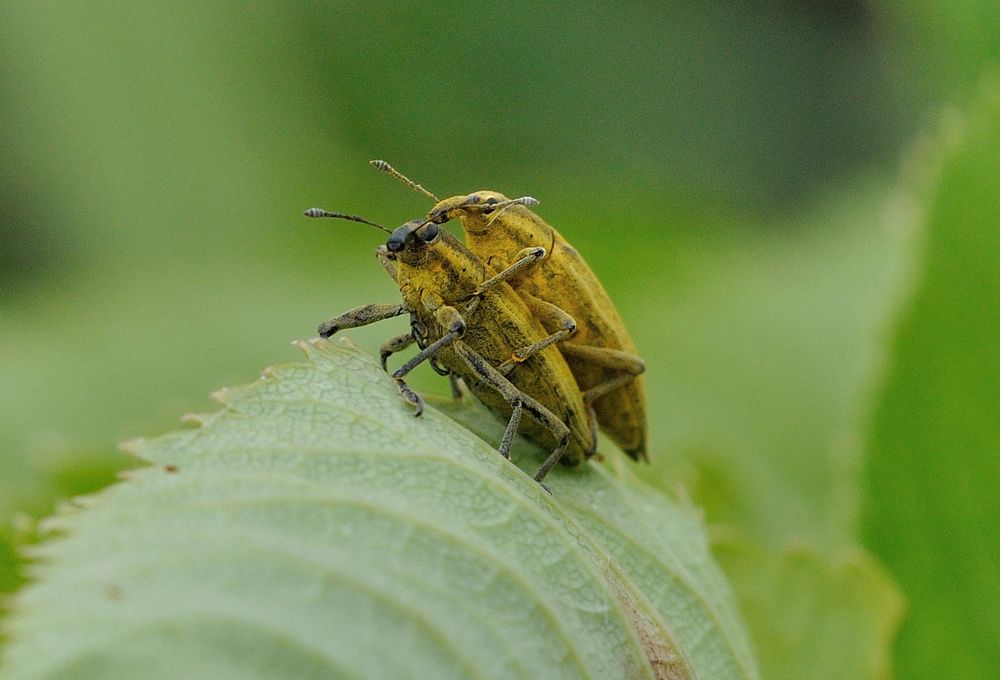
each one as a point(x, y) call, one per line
point(410, 240)
point(478, 210)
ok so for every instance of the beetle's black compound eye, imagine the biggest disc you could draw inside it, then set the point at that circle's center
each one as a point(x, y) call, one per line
point(429, 232)
point(489, 203)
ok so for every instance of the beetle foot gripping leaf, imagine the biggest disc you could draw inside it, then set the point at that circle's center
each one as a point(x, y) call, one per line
point(411, 397)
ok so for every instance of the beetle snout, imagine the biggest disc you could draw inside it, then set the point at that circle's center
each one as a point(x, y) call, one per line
point(396, 243)
point(402, 234)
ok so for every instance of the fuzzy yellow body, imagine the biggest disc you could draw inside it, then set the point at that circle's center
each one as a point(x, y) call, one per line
point(497, 324)
point(564, 279)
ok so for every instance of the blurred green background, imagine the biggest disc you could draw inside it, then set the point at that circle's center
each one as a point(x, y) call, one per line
point(793, 204)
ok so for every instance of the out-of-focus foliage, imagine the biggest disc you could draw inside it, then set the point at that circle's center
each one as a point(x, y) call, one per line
point(766, 382)
point(935, 437)
point(945, 46)
point(730, 171)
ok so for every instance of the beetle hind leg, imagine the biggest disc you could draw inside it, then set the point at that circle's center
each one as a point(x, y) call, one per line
point(519, 401)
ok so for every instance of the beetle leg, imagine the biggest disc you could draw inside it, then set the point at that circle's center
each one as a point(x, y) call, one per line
point(359, 316)
point(629, 364)
point(457, 389)
point(592, 415)
point(518, 401)
point(551, 317)
point(419, 332)
point(438, 368)
point(452, 320)
point(605, 357)
point(607, 387)
point(411, 397)
point(524, 259)
point(393, 345)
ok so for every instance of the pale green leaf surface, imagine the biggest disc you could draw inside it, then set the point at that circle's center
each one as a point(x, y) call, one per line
point(314, 527)
point(660, 545)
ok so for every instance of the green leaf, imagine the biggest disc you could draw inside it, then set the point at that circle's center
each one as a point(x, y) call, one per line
point(814, 615)
point(766, 350)
point(933, 512)
point(314, 528)
point(27, 494)
point(944, 46)
point(659, 544)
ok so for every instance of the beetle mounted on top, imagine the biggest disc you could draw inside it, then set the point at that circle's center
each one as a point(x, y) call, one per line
point(600, 352)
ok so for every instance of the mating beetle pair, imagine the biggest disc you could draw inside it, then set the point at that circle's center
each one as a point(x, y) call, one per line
point(519, 316)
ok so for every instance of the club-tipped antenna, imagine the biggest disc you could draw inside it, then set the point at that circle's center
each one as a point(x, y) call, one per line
point(319, 212)
point(501, 206)
point(389, 170)
point(523, 200)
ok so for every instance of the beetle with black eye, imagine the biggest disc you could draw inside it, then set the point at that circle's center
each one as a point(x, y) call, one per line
point(447, 290)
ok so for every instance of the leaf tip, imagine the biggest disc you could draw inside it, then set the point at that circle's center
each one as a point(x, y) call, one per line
point(310, 347)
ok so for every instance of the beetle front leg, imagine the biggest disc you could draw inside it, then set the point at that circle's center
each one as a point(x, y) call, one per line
point(359, 316)
point(525, 259)
point(448, 317)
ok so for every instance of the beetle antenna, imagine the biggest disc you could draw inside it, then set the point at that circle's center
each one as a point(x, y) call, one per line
point(523, 200)
point(319, 212)
point(389, 170)
point(501, 206)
